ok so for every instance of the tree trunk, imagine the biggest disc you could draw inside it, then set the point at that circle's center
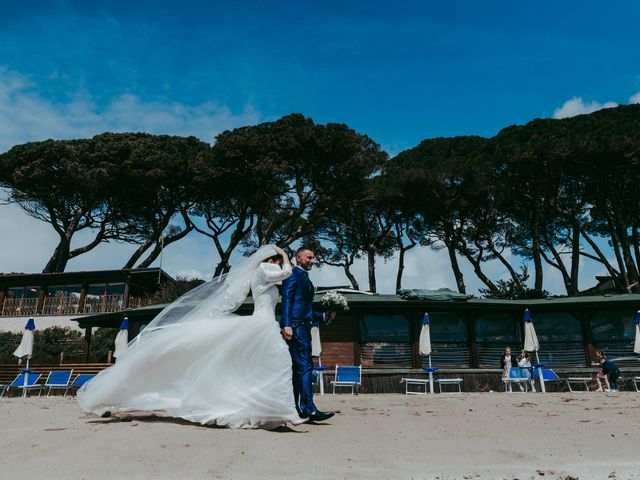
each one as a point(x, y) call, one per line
point(537, 263)
point(457, 273)
point(350, 276)
point(371, 266)
point(60, 257)
point(163, 243)
point(138, 253)
point(575, 259)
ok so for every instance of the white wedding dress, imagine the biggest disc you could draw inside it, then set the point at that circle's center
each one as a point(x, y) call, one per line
point(207, 365)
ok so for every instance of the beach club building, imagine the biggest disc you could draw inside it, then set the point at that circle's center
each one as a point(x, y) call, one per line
point(468, 336)
point(56, 299)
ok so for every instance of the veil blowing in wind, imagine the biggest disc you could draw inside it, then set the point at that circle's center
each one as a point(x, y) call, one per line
point(199, 361)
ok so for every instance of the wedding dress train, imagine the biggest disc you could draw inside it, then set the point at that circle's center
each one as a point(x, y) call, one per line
point(208, 366)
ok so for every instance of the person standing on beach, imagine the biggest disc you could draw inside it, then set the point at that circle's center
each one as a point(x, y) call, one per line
point(295, 324)
point(506, 362)
point(600, 375)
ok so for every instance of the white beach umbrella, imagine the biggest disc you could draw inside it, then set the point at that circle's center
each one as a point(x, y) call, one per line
point(531, 343)
point(316, 345)
point(530, 338)
point(122, 338)
point(25, 349)
point(636, 347)
point(425, 337)
point(425, 345)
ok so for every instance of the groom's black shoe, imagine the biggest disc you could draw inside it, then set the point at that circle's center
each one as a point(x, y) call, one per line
point(301, 414)
point(319, 416)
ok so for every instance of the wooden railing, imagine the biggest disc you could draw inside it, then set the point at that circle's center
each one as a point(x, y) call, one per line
point(61, 305)
point(103, 304)
point(18, 307)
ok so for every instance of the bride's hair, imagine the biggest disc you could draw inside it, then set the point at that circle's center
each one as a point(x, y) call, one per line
point(274, 259)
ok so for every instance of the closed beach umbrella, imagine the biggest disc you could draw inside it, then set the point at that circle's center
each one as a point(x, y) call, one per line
point(25, 349)
point(316, 345)
point(530, 338)
point(531, 343)
point(636, 347)
point(425, 345)
point(122, 338)
point(425, 336)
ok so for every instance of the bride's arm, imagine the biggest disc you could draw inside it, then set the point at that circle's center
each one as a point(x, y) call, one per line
point(273, 275)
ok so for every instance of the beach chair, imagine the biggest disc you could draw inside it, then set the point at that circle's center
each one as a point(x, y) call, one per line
point(347, 377)
point(80, 380)
point(518, 376)
point(550, 376)
point(58, 381)
point(449, 381)
point(19, 383)
point(636, 383)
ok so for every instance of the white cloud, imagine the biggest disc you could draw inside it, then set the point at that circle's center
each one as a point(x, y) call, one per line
point(635, 98)
point(27, 116)
point(577, 106)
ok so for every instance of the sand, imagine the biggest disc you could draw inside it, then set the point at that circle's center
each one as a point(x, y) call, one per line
point(481, 435)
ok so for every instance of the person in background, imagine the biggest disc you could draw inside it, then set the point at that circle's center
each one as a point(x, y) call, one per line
point(506, 362)
point(524, 363)
point(611, 370)
point(600, 375)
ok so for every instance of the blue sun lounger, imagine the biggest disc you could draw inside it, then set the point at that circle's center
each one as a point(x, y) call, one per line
point(80, 380)
point(19, 383)
point(58, 381)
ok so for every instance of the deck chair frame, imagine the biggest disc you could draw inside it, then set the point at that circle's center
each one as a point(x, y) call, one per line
point(347, 383)
point(58, 386)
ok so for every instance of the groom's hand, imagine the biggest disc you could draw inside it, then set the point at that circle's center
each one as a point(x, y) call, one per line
point(287, 333)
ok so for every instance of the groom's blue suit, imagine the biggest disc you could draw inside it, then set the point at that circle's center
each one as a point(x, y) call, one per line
point(297, 313)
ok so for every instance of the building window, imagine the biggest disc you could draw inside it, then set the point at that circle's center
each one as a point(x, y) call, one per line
point(613, 332)
point(62, 299)
point(449, 346)
point(386, 341)
point(104, 297)
point(494, 332)
point(561, 340)
point(21, 301)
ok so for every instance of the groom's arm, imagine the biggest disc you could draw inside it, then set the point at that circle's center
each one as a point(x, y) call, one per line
point(288, 296)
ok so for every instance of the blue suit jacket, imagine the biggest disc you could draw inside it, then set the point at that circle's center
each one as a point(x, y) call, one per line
point(297, 300)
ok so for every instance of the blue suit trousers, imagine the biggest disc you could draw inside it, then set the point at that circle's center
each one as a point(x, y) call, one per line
point(300, 350)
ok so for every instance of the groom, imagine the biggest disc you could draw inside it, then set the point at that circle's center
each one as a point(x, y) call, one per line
point(295, 324)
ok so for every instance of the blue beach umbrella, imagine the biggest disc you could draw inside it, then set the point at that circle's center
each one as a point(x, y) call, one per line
point(122, 338)
point(25, 349)
point(636, 347)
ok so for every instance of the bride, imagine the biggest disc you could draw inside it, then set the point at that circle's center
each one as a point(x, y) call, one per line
point(198, 361)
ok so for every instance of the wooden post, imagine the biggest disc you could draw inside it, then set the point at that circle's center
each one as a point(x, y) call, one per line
point(40, 304)
point(471, 341)
point(2, 295)
point(585, 320)
point(125, 294)
point(61, 358)
point(416, 321)
point(83, 297)
point(87, 343)
point(109, 356)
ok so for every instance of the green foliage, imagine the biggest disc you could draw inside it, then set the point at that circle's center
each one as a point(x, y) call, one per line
point(102, 342)
point(513, 289)
point(50, 342)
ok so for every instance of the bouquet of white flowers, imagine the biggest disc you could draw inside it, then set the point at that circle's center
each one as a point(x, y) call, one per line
point(335, 302)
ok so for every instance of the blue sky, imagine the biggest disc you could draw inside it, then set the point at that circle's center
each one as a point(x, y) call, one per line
point(397, 71)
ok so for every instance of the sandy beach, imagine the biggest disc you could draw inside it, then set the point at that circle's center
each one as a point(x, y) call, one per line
point(489, 435)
